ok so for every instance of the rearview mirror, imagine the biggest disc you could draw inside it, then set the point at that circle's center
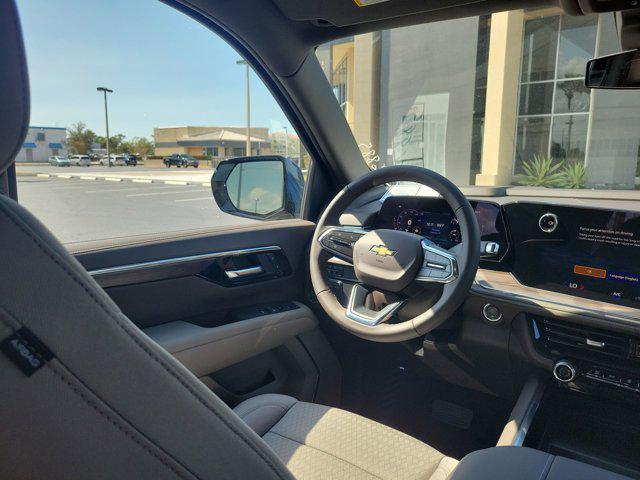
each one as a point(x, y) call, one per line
point(265, 188)
point(620, 70)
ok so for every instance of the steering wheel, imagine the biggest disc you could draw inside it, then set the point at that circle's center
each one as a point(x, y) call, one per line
point(400, 274)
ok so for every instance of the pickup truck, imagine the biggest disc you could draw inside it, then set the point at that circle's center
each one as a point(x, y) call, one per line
point(181, 160)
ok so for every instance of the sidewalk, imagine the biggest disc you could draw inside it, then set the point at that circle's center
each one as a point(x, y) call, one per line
point(186, 177)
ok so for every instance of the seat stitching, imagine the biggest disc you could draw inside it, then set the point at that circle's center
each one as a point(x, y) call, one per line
point(244, 414)
point(106, 415)
point(103, 412)
point(326, 453)
point(43, 247)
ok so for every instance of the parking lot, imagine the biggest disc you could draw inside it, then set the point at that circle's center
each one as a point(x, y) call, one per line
point(78, 209)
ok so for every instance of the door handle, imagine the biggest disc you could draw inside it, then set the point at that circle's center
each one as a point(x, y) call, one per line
point(244, 272)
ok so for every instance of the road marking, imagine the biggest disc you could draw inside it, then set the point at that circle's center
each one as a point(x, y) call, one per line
point(164, 193)
point(174, 182)
point(206, 184)
point(64, 176)
point(194, 199)
point(111, 179)
point(142, 180)
point(87, 178)
point(126, 188)
point(43, 175)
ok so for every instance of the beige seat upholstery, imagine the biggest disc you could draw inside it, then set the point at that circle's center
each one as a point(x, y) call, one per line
point(318, 442)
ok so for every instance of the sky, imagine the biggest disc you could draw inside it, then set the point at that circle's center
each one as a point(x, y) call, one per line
point(165, 69)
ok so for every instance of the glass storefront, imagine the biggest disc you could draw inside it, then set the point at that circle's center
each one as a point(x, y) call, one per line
point(553, 109)
point(419, 95)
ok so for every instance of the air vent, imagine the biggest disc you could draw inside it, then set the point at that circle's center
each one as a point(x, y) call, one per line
point(566, 338)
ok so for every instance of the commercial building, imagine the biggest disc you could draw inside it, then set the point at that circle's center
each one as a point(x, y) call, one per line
point(475, 98)
point(217, 143)
point(42, 143)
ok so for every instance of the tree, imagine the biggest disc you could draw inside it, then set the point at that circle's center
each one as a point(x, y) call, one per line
point(80, 138)
point(126, 146)
point(142, 146)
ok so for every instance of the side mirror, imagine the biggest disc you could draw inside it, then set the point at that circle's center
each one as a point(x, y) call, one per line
point(617, 71)
point(264, 188)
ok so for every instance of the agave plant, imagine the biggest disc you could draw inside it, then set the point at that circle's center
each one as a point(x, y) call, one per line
point(540, 172)
point(573, 175)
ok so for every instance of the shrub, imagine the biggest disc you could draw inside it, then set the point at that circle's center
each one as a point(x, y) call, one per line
point(540, 172)
point(573, 175)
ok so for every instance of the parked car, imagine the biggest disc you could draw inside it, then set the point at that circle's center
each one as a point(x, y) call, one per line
point(59, 161)
point(103, 161)
point(181, 160)
point(119, 160)
point(80, 160)
point(131, 159)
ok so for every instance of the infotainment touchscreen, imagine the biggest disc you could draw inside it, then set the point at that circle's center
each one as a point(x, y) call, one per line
point(589, 253)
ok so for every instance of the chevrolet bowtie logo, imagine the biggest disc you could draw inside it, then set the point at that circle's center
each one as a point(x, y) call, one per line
point(382, 251)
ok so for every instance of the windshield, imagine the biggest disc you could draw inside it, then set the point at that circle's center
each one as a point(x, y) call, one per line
point(490, 100)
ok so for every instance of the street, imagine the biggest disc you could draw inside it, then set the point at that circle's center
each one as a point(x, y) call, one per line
point(77, 210)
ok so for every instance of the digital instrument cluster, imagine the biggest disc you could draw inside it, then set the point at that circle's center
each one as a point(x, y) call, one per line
point(433, 219)
point(443, 228)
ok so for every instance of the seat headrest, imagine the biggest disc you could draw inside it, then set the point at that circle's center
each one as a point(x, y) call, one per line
point(14, 85)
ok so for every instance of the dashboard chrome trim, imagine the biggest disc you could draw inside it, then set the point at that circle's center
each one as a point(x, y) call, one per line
point(506, 287)
point(133, 267)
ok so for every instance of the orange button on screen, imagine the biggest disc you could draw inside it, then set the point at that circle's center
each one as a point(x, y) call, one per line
point(589, 271)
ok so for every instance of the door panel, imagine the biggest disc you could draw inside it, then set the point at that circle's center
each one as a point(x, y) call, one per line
point(162, 281)
point(208, 349)
point(241, 334)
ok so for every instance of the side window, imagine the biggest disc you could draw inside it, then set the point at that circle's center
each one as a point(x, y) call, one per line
point(127, 131)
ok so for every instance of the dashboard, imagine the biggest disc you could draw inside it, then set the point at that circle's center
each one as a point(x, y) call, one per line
point(584, 252)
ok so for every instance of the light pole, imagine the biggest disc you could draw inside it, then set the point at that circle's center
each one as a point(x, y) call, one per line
point(286, 142)
point(105, 90)
point(248, 147)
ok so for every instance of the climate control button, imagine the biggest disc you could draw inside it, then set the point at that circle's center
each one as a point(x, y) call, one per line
point(548, 222)
point(564, 371)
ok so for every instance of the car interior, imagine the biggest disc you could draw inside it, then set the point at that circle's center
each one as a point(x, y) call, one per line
point(321, 344)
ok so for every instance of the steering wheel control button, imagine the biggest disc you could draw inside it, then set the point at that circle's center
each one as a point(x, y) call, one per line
point(564, 371)
point(340, 240)
point(438, 265)
point(491, 313)
point(548, 222)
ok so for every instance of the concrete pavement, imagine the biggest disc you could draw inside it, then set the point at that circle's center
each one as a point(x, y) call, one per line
point(78, 210)
point(138, 174)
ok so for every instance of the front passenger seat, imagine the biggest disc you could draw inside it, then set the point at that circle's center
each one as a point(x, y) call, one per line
point(318, 442)
point(85, 394)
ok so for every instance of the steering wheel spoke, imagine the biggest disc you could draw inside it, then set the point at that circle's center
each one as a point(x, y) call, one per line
point(339, 241)
point(438, 265)
point(358, 311)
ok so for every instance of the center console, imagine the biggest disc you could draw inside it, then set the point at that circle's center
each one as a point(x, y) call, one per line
point(510, 463)
point(589, 359)
point(588, 408)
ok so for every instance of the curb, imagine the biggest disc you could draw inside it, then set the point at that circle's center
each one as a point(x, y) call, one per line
point(114, 179)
